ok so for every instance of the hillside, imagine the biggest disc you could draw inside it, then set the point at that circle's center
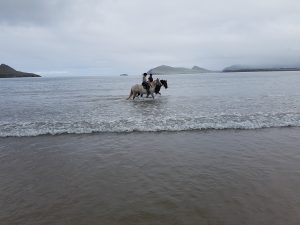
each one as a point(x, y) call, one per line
point(8, 72)
point(241, 68)
point(165, 70)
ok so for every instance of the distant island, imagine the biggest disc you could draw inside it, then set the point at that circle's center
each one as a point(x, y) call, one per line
point(124, 75)
point(165, 70)
point(241, 68)
point(168, 70)
point(8, 72)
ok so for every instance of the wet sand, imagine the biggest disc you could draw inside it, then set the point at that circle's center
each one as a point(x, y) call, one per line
point(228, 177)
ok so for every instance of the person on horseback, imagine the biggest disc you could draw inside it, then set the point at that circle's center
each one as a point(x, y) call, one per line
point(145, 84)
point(150, 79)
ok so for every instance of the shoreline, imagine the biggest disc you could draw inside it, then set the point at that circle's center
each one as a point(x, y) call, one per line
point(153, 132)
point(207, 177)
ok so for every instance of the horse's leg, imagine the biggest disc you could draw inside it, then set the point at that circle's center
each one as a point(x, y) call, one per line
point(152, 95)
point(130, 94)
point(134, 95)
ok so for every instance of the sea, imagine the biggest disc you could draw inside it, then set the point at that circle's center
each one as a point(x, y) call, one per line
point(212, 149)
point(81, 105)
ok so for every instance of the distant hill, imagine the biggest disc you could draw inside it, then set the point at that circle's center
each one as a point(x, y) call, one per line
point(8, 72)
point(165, 70)
point(241, 68)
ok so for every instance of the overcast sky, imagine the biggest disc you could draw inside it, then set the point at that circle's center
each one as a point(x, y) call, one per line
point(131, 36)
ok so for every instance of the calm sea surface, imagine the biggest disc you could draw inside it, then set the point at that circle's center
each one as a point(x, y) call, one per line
point(36, 106)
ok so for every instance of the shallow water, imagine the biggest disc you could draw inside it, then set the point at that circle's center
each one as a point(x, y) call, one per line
point(124, 175)
point(35, 106)
point(216, 177)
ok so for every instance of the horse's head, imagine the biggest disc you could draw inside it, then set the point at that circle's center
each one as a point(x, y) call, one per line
point(164, 83)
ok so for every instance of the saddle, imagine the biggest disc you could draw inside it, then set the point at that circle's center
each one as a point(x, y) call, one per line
point(146, 85)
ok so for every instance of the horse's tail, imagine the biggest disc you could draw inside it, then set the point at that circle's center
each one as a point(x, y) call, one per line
point(130, 94)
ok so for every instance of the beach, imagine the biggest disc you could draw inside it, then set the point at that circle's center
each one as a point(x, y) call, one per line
point(220, 177)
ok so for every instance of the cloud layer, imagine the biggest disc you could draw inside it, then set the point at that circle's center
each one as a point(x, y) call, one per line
point(114, 36)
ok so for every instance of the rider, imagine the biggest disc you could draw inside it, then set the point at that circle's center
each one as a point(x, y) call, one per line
point(146, 84)
point(150, 79)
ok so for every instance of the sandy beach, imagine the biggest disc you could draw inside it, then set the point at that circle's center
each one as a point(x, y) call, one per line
point(223, 177)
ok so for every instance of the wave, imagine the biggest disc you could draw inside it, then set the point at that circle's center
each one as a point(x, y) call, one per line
point(157, 124)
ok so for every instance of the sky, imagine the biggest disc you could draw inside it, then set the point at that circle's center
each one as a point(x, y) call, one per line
point(110, 37)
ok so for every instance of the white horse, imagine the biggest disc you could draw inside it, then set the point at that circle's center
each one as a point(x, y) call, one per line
point(138, 89)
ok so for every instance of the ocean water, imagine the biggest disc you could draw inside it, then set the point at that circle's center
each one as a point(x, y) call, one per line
point(57, 105)
point(219, 167)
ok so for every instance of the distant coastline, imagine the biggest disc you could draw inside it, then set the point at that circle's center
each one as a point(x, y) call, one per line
point(8, 72)
point(262, 70)
point(238, 68)
point(168, 70)
point(165, 70)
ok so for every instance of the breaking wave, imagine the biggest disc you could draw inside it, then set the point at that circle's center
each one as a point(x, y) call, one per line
point(156, 124)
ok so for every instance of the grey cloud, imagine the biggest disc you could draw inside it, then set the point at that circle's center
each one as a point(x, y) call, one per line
point(15, 12)
point(115, 35)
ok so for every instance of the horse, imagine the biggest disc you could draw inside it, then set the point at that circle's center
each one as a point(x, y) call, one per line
point(157, 88)
point(138, 89)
